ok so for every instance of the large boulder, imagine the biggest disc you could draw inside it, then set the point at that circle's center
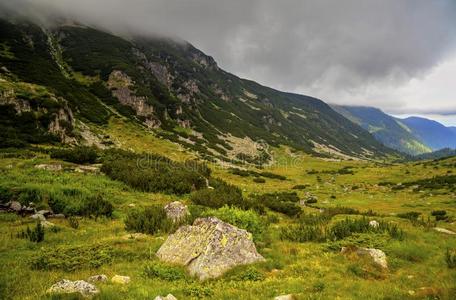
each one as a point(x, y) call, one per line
point(176, 211)
point(209, 248)
point(66, 286)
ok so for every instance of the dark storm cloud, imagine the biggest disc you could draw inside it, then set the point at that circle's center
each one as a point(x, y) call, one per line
point(336, 49)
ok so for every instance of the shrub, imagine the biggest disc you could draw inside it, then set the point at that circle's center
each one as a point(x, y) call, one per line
point(450, 258)
point(222, 194)
point(199, 291)
point(303, 233)
point(73, 222)
point(70, 259)
point(5, 195)
point(258, 180)
point(163, 272)
point(153, 173)
point(411, 215)
point(150, 220)
point(273, 176)
point(311, 201)
point(438, 213)
point(245, 219)
point(300, 187)
point(80, 204)
point(250, 274)
point(78, 155)
point(280, 202)
point(35, 235)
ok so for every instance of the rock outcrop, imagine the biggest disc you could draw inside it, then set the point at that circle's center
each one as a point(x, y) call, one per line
point(66, 286)
point(176, 211)
point(168, 297)
point(209, 248)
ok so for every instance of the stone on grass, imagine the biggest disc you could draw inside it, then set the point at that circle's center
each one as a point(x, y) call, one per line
point(176, 211)
point(50, 167)
point(168, 297)
point(66, 286)
point(285, 297)
point(443, 230)
point(378, 256)
point(44, 212)
point(39, 217)
point(98, 278)
point(47, 224)
point(16, 206)
point(120, 279)
point(57, 216)
point(374, 224)
point(209, 247)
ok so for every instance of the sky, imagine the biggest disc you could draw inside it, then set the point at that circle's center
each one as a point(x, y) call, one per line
point(398, 55)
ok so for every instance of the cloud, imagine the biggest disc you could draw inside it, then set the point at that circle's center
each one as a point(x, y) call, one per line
point(351, 51)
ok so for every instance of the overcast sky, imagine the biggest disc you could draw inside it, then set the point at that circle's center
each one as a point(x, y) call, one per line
point(398, 55)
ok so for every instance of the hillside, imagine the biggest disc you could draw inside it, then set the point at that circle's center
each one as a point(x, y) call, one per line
point(170, 88)
point(385, 128)
point(432, 133)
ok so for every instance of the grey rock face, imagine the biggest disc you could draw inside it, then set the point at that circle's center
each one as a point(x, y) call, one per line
point(16, 206)
point(176, 211)
point(209, 248)
point(66, 286)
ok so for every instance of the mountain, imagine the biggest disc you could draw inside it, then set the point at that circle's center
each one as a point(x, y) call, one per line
point(452, 128)
point(432, 133)
point(71, 78)
point(388, 130)
point(443, 153)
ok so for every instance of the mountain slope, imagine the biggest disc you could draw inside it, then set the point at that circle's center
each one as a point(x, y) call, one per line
point(173, 86)
point(385, 128)
point(434, 134)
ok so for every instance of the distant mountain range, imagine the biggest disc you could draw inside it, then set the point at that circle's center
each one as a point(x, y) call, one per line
point(413, 135)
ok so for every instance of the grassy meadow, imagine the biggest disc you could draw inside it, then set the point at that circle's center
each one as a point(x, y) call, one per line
point(311, 269)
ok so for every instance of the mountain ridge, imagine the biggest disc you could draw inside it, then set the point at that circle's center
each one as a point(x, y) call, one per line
point(176, 88)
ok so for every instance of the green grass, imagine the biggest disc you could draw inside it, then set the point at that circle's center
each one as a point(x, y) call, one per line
point(310, 270)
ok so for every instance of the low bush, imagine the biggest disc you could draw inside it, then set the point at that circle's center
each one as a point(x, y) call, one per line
point(250, 274)
point(273, 176)
point(70, 259)
point(149, 220)
point(221, 194)
point(450, 258)
point(411, 215)
point(303, 233)
point(245, 219)
point(78, 155)
point(35, 235)
point(258, 180)
point(163, 272)
point(280, 202)
point(300, 187)
point(153, 173)
point(80, 204)
point(73, 222)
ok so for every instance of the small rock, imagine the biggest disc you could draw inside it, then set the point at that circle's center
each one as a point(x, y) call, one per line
point(38, 217)
point(176, 210)
point(168, 297)
point(98, 278)
point(443, 230)
point(43, 212)
point(120, 279)
point(47, 224)
point(285, 297)
point(16, 206)
point(66, 286)
point(49, 167)
point(131, 205)
point(134, 236)
point(374, 224)
point(411, 292)
point(87, 169)
point(57, 216)
point(378, 256)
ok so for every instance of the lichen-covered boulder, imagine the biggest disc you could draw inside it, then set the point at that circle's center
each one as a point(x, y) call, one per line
point(209, 248)
point(120, 279)
point(176, 211)
point(66, 286)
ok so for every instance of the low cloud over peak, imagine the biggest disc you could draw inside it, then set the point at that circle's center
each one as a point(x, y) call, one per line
point(366, 52)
